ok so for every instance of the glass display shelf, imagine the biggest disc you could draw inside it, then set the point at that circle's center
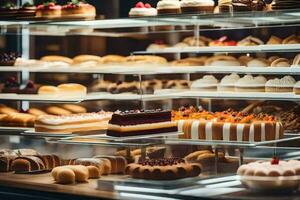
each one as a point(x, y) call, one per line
point(225, 49)
point(144, 70)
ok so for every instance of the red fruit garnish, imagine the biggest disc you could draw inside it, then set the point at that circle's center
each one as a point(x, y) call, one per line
point(140, 5)
point(51, 4)
point(30, 84)
point(40, 7)
point(230, 43)
point(274, 161)
point(147, 5)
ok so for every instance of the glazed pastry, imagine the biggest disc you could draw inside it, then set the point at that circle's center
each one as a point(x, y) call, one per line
point(140, 122)
point(57, 59)
point(8, 59)
point(296, 61)
point(35, 112)
point(72, 123)
point(18, 119)
point(228, 82)
point(5, 162)
point(48, 90)
point(207, 83)
point(250, 84)
point(140, 59)
point(25, 152)
point(281, 62)
point(168, 7)
point(198, 61)
point(163, 169)
point(258, 62)
point(74, 108)
point(48, 10)
point(293, 39)
point(11, 85)
point(72, 89)
point(50, 161)
point(274, 40)
point(78, 9)
point(197, 6)
point(250, 41)
point(222, 60)
point(7, 110)
point(86, 58)
point(142, 10)
point(55, 110)
point(112, 59)
point(284, 84)
point(118, 163)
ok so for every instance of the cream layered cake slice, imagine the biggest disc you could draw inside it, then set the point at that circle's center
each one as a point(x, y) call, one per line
point(72, 123)
point(140, 122)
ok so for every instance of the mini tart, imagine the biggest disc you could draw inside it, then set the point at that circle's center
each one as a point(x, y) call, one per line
point(168, 7)
point(207, 83)
point(50, 11)
point(251, 84)
point(197, 6)
point(228, 83)
point(81, 10)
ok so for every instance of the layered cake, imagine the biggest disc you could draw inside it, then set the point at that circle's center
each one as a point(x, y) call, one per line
point(297, 88)
point(142, 10)
point(207, 83)
point(72, 123)
point(27, 10)
point(251, 84)
point(285, 84)
point(140, 122)
point(163, 169)
point(168, 7)
point(228, 83)
point(227, 126)
point(197, 6)
point(78, 8)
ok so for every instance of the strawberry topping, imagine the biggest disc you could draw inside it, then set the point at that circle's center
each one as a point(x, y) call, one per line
point(140, 5)
point(274, 161)
point(147, 5)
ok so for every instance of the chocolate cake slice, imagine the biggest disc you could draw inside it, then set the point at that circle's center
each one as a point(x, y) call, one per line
point(140, 122)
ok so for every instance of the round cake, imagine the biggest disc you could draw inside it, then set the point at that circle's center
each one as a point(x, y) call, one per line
point(168, 7)
point(285, 84)
point(142, 10)
point(163, 169)
point(228, 82)
point(207, 83)
point(197, 6)
point(251, 84)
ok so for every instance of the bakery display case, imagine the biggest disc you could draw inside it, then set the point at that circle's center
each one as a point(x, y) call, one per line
point(175, 106)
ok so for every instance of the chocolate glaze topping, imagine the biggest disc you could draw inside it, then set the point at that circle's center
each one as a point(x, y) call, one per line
point(162, 162)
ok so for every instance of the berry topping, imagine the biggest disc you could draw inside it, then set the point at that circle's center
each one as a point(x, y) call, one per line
point(274, 161)
point(30, 84)
point(140, 5)
point(147, 5)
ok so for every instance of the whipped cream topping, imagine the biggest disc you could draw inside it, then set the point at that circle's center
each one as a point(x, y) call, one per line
point(194, 3)
point(230, 80)
point(73, 118)
point(250, 81)
point(143, 12)
point(286, 81)
point(225, 2)
point(297, 85)
point(168, 4)
point(206, 81)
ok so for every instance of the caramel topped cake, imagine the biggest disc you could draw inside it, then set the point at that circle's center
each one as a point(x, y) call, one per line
point(72, 123)
point(140, 122)
point(227, 125)
point(163, 169)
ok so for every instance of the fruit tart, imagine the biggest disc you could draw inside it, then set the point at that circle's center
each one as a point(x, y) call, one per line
point(49, 9)
point(78, 9)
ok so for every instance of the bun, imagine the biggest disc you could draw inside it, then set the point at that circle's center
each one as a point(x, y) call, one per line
point(36, 112)
point(146, 59)
point(55, 110)
point(86, 58)
point(63, 175)
point(55, 58)
point(112, 59)
point(19, 119)
point(81, 172)
point(72, 89)
point(7, 110)
point(48, 89)
point(74, 108)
